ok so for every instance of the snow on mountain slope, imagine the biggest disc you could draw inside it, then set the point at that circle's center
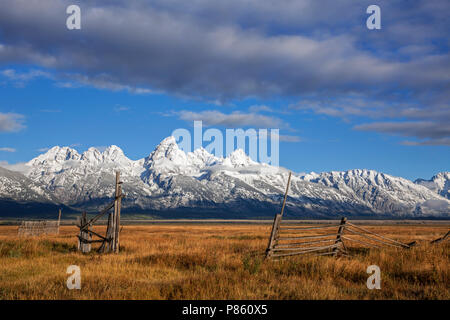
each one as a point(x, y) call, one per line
point(236, 186)
point(384, 193)
point(14, 186)
point(89, 177)
point(439, 183)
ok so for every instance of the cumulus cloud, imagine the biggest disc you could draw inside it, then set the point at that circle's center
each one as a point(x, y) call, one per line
point(430, 142)
point(19, 167)
point(411, 119)
point(20, 79)
point(221, 51)
point(102, 82)
point(260, 108)
point(24, 76)
point(232, 120)
point(435, 133)
point(11, 122)
point(436, 205)
point(238, 120)
point(421, 129)
point(218, 50)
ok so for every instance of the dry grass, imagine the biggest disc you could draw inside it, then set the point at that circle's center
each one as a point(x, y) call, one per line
point(218, 262)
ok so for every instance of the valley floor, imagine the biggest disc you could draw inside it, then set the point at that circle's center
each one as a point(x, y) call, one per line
point(219, 261)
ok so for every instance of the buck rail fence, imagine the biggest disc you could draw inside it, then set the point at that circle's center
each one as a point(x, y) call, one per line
point(109, 242)
point(288, 239)
point(441, 239)
point(39, 227)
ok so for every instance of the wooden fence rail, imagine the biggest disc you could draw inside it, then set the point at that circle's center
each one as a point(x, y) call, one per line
point(282, 235)
point(441, 239)
point(282, 244)
point(37, 228)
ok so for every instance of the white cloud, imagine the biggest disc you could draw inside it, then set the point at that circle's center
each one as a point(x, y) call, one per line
point(102, 82)
point(24, 76)
point(19, 79)
point(260, 108)
point(431, 132)
point(429, 142)
point(233, 120)
point(233, 50)
point(19, 167)
point(7, 149)
point(11, 122)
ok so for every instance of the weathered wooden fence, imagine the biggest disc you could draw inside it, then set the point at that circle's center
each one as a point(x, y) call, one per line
point(39, 227)
point(110, 242)
point(365, 237)
point(293, 239)
point(288, 239)
point(441, 239)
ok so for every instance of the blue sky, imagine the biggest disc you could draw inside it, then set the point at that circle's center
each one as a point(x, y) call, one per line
point(342, 96)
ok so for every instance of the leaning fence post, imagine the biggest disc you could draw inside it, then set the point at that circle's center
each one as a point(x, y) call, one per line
point(273, 234)
point(338, 243)
point(277, 221)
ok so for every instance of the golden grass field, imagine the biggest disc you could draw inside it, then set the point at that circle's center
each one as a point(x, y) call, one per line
point(218, 261)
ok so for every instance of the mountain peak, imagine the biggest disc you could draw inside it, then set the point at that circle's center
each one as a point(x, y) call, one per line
point(201, 157)
point(113, 153)
point(166, 151)
point(439, 183)
point(168, 142)
point(238, 158)
point(56, 154)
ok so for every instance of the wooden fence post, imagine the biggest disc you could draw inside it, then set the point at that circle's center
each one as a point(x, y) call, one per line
point(338, 241)
point(85, 237)
point(116, 217)
point(273, 235)
point(277, 221)
point(106, 246)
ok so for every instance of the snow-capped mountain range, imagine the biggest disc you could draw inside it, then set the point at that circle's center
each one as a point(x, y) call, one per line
point(172, 183)
point(440, 184)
